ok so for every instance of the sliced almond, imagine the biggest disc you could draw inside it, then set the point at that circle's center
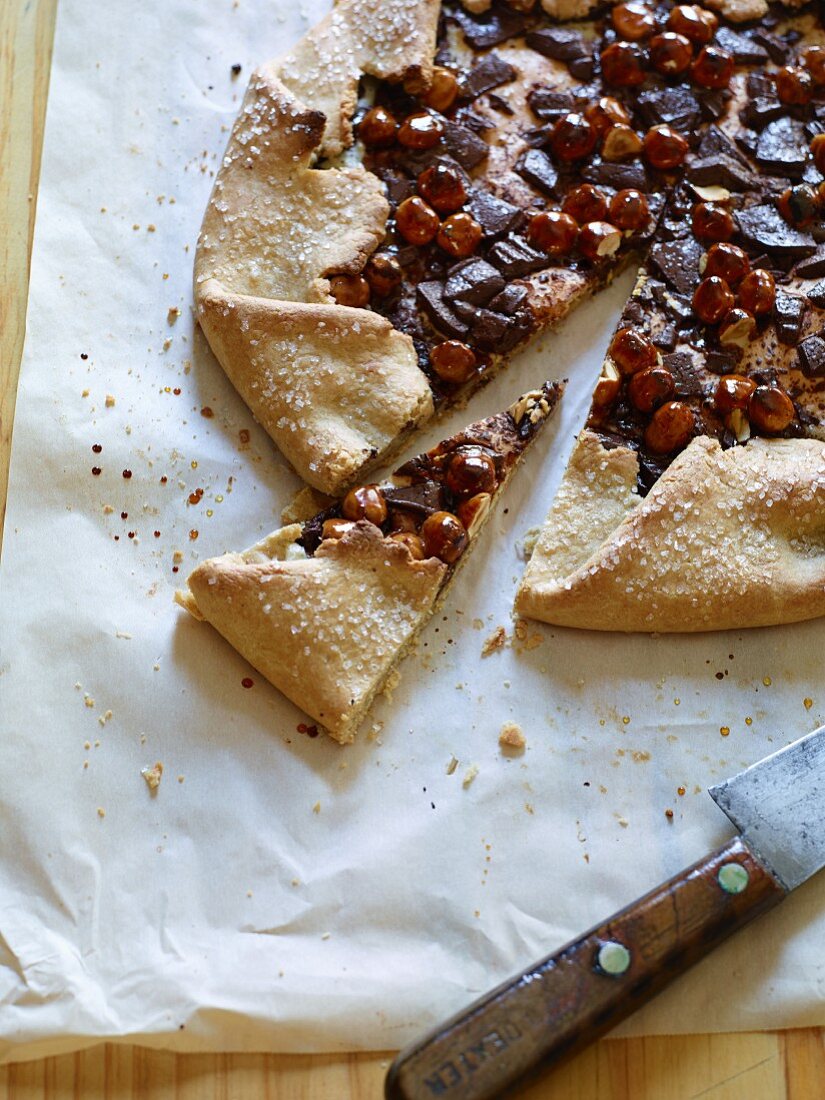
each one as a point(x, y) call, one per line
point(610, 244)
point(739, 332)
point(711, 193)
point(739, 425)
point(608, 385)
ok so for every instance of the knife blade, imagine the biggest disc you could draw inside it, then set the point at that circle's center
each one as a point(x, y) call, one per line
point(567, 1000)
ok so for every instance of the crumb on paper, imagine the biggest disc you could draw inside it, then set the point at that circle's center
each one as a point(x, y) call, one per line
point(172, 314)
point(469, 776)
point(527, 543)
point(622, 821)
point(326, 935)
point(375, 730)
point(177, 557)
point(87, 745)
point(88, 701)
point(110, 401)
point(167, 343)
point(316, 809)
point(249, 893)
point(453, 764)
point(528, 807)
point(105, 717)
point(123, 634)
point(181, 778)
point(391, 684)
point(296, 882)
point(101, 812)
point(153, 775)
point(807, 703)
point(511, 738)
point(107, 509)
point(496, 641)
point(523, 637)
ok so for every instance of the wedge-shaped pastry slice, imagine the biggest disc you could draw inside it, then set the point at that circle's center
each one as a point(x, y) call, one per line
point(325, 609)
point(725, 539)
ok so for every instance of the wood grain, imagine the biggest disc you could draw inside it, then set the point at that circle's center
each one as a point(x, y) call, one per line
point(785, 1066)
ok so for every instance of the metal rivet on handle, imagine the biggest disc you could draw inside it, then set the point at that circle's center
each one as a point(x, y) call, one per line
point(733, 878)
point(613, 958)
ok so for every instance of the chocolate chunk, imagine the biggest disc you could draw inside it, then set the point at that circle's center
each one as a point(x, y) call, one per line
point(499, 104)
point(667, 338)
point(509, 300)
point(560, 44)
point(466, 116)
point(678, 107)
point(760, 112)
point(473, 281)
point(537, 168)
point(816, 295)
point(489, 73)
point(722, 171)
point(812, 355)
point(514, 257)
point(650, 470)
point(782, 149)
point(430, 297)
point(713, 102)
point(678, 262)
point(617, 175)
point(812, 267)
point(490, 27)
point(548, 104)
point(747, 141)
point(758, 84)
point(716, 143)
point(398, 186)
point(582, 68)
point(777, 50)
point(763, 227)
point(790, 313)
point(721, 362)
point(745, 51)
point(467, 148)
point(488, 329)
point(683, 367)
point(422, 497)
point(519, 327)
point(495, 216)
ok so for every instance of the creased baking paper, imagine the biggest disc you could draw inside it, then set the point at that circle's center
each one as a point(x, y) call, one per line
point(276, 891)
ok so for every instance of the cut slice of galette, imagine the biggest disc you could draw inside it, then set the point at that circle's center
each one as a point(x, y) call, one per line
point(326, 608)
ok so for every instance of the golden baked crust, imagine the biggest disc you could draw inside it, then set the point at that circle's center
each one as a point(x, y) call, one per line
point(726, 539)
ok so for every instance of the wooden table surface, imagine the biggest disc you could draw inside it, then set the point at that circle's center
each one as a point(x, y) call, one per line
point(752, 1066)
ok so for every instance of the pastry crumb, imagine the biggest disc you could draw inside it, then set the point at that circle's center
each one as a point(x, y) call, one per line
point(326, 935)
point(152, 775)
point(511, 738)
point(123, 634)
point(107, 509)
point(110, 401)
point(101, 812)
point(316, 809)
point(88, 701)
point(469, 776)
point(527, 544)
point(453, 764)
point(172, 314)
point(496, 641)
point(391, 684)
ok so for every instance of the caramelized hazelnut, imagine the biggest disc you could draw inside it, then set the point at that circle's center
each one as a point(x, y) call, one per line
point(442, 187)
point(599, 241)
point(443, 90)
point(350, 290)
point(383, 273)
point(444, 537)
point(711, 222)
point(335, 528)
point(670, 53)
point(798, 205)
point(629, 210)
point(412, 541)
point(420, 131)
point(671, 427)
point(621, 143)
point(813, 58)
point(697, 24)
point(377, 128)
point(416, 220)
point(737, 329)
point(604, 113)
point(459, 235)
point(623, 64)
point(472, 512)
point(585, 203)
point(733, 392)
point(402, 520)
point(712, 299)
point(573, 137)
point(770, 409)
point(818, 151)
point(633, 21)
point(650, 388)
point(794, 85)
point(553, 232)
point(471, 472)
point(757, 292)
point(453, 361)
point(632, 351)
point(728, 262)
point(608, 386)
point(664, 147)
point(367, 502)
point(712, 68)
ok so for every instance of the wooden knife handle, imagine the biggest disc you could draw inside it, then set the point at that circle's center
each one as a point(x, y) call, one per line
point(569, 999)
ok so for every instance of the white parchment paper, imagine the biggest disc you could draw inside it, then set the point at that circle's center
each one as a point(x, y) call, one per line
point(278, 892)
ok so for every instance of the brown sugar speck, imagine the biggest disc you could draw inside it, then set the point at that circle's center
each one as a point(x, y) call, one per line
point(97, 448)
point(96, 471)
point(196, 496)
point(164, 479)
point(725, 731)
point(669, 814)
point(247, 682)
point(680, 791)
point(127, 474)
point(766, 680)
point(193, 534)
point(748, 721)
point(206, 411)
point(244, 435)
point(110, 401)
point(807, 703)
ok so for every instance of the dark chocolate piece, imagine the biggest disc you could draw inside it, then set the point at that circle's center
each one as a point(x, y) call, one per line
point(683, 367)
point(514, 257)
point(422, 497)
point(495, 216)
point(549, 104)
point(812, 267)
point(490, 27)
point(558, 43)
point(490, 72)
point(619, 176)
point(473, 281)
point(761, 111)
point(499, 104)
point(715, 143)
point(430, 297)
point(723, 171)
point(721, 362)
point(537, 168)
point(713, 102)
point(583, 68)
point(763, 227)
point(745, 50)
point(816, 295)
point(758, 84)
point(777, 50)
point(790, 313)
point(812, 355)
point(467, 148)
point(782, 149)
point(509, 300)
point(678, 262)
point(398, 186)
point(667, 338)
point(678, 107)
point(488, 329)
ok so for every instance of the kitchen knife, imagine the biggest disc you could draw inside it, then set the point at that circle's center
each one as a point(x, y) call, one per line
point(567, 1000)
